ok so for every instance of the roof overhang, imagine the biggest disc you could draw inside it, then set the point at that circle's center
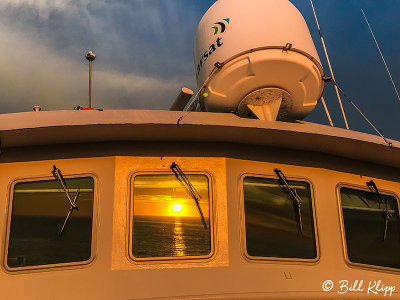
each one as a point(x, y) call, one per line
point(65, 127)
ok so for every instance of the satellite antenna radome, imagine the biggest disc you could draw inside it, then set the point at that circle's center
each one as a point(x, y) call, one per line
point(267, 62)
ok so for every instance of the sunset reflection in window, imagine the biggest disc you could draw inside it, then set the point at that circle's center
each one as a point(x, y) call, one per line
point(166, 221)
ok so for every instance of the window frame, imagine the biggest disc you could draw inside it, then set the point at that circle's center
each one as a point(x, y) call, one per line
point(242, 212)
point(48, 267)
point(343, 231)
point(170, 259)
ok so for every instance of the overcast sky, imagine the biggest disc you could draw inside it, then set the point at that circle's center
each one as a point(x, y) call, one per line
point(144, 54)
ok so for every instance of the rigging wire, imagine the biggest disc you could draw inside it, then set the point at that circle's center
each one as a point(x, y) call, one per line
point(380, 52)
point(192, 102)
point(329, 64)
point(355, 106)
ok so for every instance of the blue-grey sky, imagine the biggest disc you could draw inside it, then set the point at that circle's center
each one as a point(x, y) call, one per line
point(144, 54)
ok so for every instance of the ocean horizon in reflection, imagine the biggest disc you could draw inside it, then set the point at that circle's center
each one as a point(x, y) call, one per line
point(155, 236)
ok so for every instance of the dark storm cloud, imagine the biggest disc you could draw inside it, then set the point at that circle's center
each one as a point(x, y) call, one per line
point(143, 47)
point(137, 35)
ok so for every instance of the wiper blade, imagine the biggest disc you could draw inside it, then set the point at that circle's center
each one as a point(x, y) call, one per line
point(69, 213)
point(58, 175)
point(374, 189)
point(293, 194)
point(190, 188)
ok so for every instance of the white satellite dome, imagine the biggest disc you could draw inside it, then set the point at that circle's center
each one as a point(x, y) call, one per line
point(267, 64)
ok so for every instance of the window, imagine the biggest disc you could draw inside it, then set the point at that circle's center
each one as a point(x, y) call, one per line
point(274, 225)
point(364, 215)
point(39, 210)
point(166, 220)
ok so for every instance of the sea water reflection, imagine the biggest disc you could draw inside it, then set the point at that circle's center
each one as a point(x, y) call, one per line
point(179, 243)
point(169, 237)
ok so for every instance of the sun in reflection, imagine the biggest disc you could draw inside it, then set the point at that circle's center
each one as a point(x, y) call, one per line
point(176, 207)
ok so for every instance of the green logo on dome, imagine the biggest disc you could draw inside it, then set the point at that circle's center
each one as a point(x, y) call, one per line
point(222, 26)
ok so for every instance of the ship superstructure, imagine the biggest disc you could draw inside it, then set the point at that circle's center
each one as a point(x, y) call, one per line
point(231, 197)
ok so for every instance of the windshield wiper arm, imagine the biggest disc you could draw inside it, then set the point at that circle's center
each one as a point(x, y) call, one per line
point(69, 213)
point(374, 189)
point(57, 174)
point(190, 188)
point(293, 194)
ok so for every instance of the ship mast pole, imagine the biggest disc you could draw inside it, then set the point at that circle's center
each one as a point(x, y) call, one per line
point(90, 56)
point(327, 111)
point(329, 64)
